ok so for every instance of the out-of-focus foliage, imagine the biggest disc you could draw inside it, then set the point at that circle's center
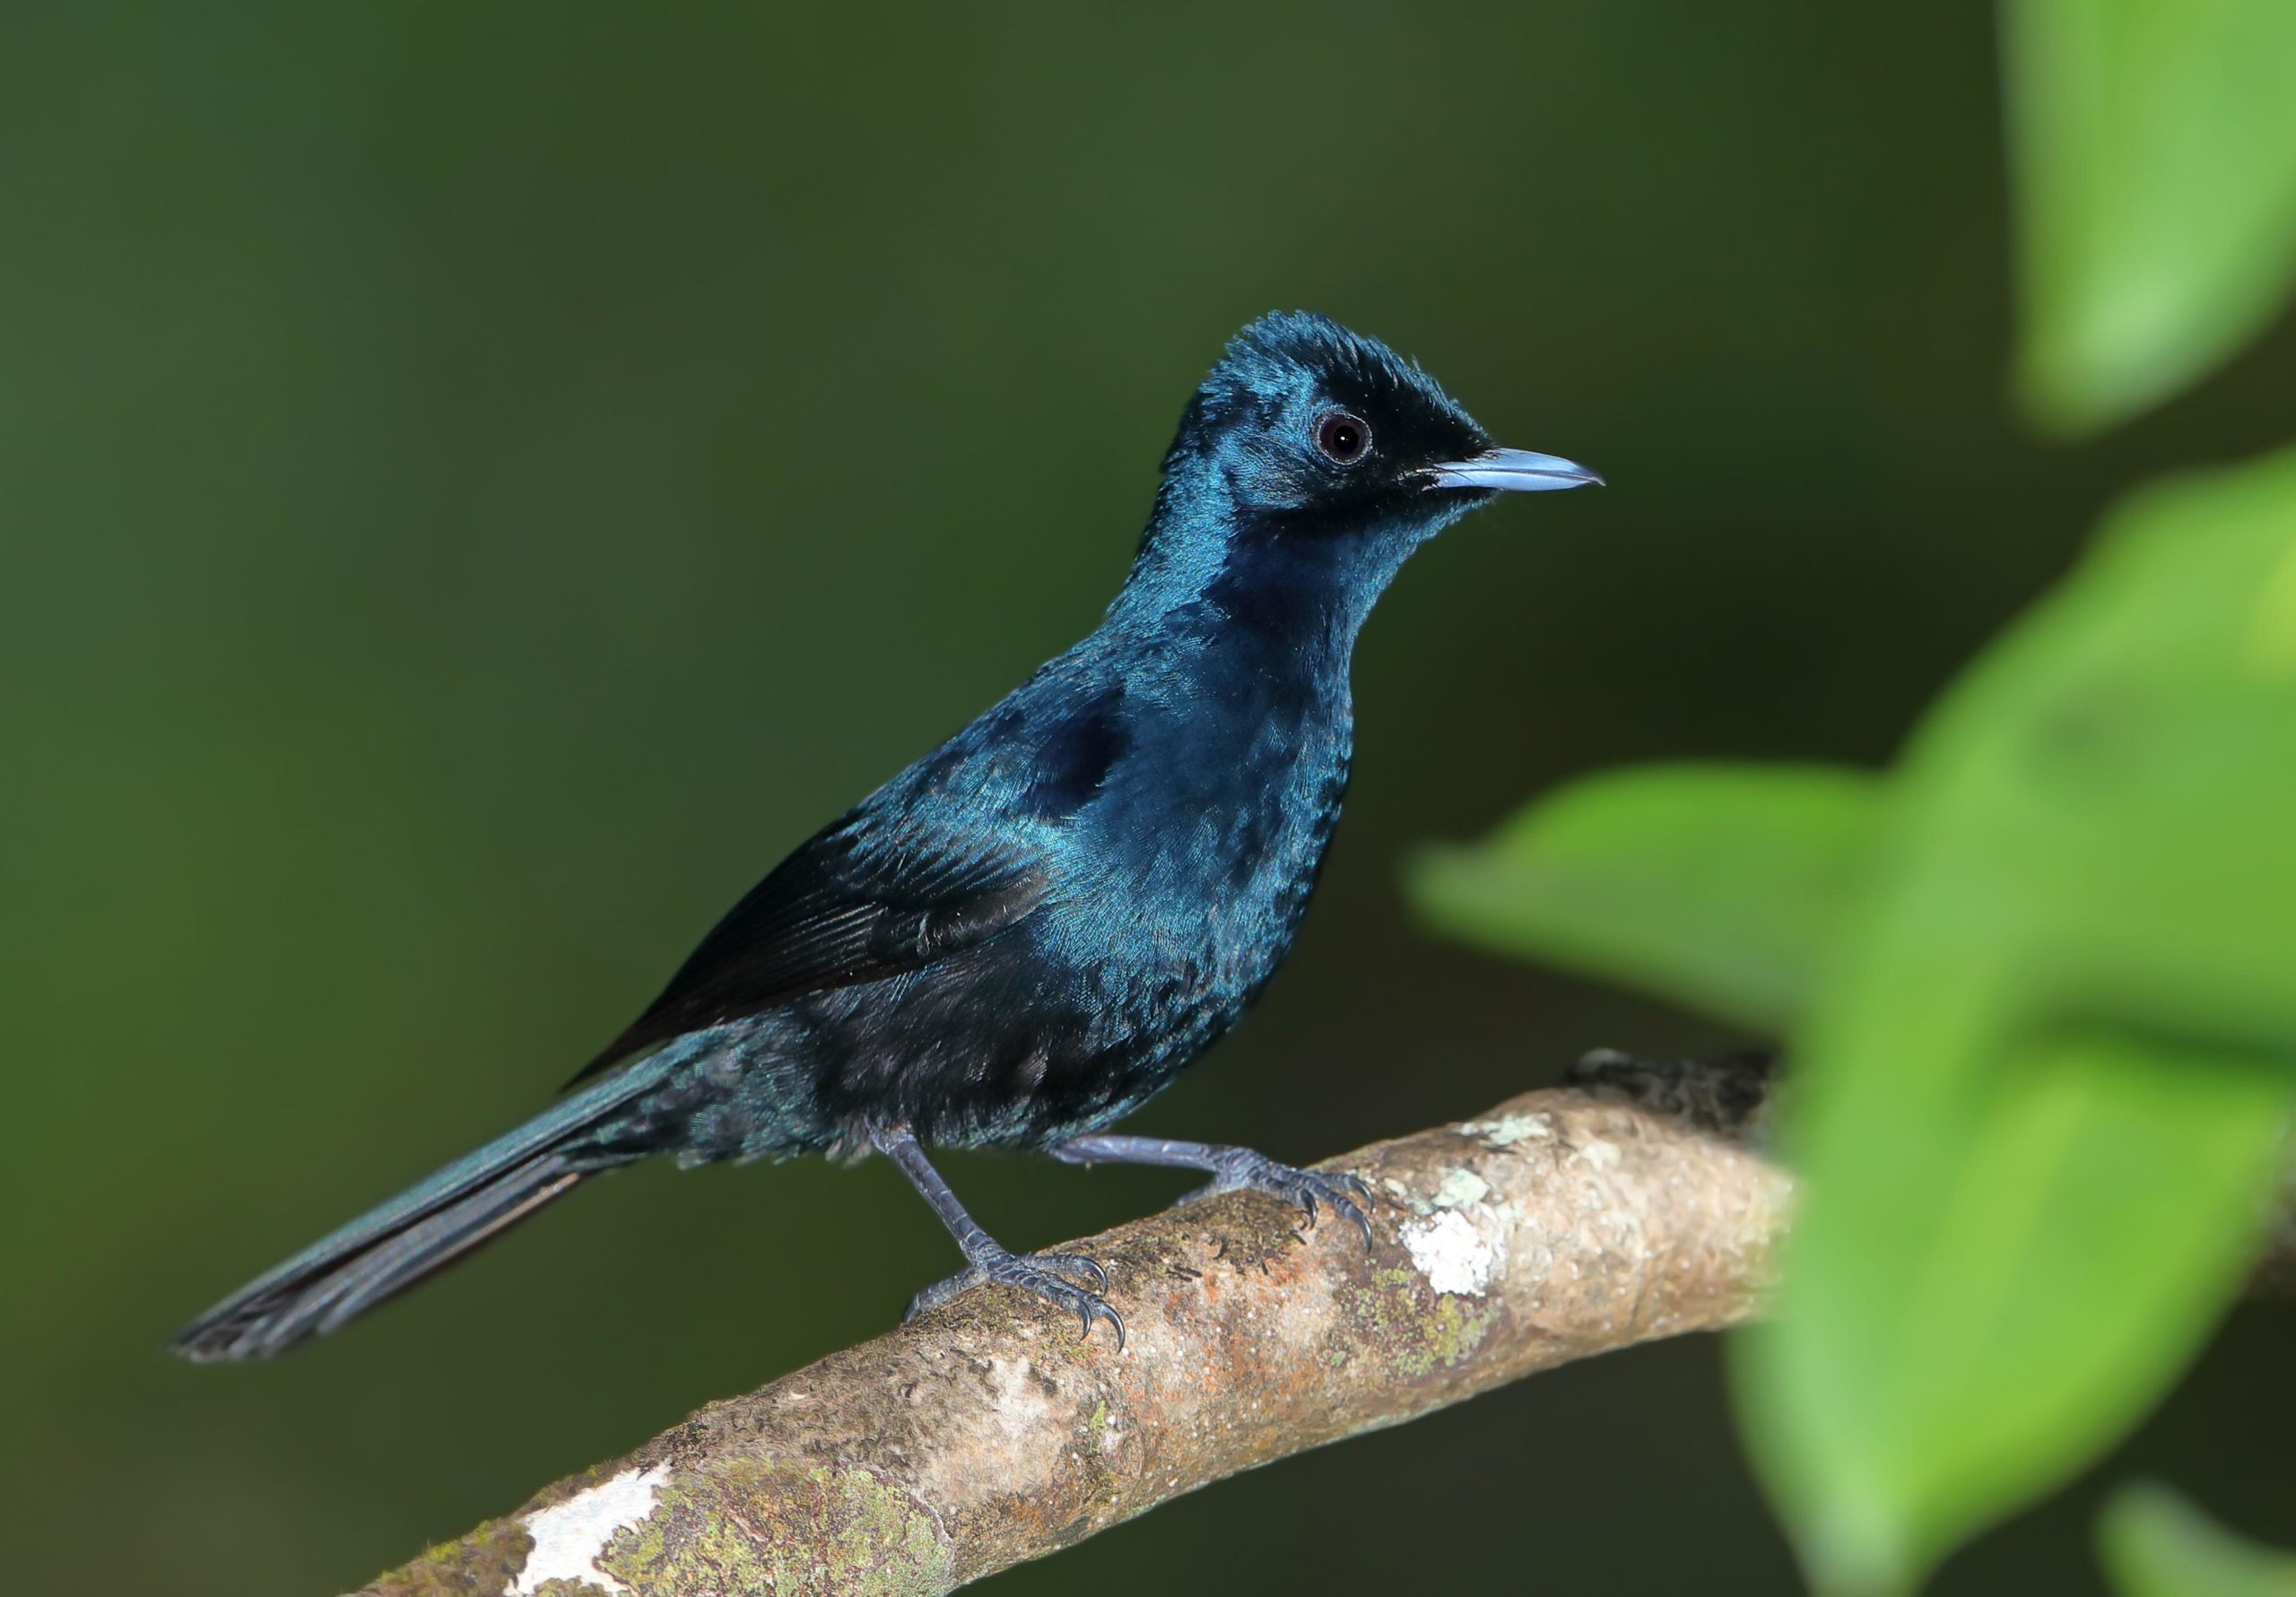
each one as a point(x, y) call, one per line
point(1986, 1297)
point(1718, 886)
point(2155, 1544)
point(2043, 1094)
point(2155, 155)
point(2043, 1081)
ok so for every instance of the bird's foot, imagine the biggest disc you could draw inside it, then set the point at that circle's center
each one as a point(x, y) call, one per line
point(1042, 1275)
point(1240, 1169)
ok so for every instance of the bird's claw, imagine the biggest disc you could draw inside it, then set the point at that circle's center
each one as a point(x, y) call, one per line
point(1242, 1169)
point(1039, 1274)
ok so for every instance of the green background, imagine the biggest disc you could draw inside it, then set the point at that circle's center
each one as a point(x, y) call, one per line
point(477, 486)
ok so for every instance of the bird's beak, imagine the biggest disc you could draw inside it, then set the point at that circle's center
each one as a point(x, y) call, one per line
point(1512, 471)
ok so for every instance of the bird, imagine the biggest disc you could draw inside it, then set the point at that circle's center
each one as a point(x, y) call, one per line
point(1021, 937)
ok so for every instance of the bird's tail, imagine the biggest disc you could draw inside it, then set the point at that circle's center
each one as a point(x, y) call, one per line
point(391, 1247)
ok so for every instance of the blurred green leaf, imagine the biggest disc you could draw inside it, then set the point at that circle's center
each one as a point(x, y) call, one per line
point(1716, 886)
point(2006, 1293)
point(2155, 1544)
point(2154, 158)
point(2039, 1095)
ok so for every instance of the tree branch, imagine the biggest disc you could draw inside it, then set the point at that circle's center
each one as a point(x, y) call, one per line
point(1562, 1224)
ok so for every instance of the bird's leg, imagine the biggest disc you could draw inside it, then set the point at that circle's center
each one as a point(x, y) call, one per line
point(985, 1258)
point(1232, 1170)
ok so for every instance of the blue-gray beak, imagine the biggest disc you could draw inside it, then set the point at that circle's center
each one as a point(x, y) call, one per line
point(1512, 471)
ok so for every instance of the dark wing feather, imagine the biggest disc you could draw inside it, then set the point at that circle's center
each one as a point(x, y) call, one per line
point(864, 900)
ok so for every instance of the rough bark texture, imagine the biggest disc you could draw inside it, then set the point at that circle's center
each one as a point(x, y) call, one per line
point(1560, 1224)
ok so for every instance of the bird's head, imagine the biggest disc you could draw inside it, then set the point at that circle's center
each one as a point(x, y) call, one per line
point(1312, 449)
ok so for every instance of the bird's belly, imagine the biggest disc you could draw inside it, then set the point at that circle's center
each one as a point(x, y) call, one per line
point(1078, 1014)
point(1053, 1030)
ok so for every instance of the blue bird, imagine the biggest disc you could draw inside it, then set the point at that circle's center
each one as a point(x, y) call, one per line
point(1018, 940)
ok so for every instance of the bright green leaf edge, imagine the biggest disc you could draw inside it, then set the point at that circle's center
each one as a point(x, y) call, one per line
point(2153, 1543)
point(2090, 832)
point(1719, 887)
point(1993, 1292)
point(2154, 168)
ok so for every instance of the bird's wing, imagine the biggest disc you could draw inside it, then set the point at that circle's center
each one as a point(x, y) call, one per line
point(864, 898)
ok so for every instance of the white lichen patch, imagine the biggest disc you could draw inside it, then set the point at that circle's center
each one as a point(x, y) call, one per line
point(1510, 1129)
point(1597, 1154)
point(1012, 1439)
point(1021, 1409)
point(1452, 1255)
point(1459, 1189)
point(570, 1536)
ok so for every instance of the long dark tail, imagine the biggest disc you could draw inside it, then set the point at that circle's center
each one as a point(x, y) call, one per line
point(390, 1248)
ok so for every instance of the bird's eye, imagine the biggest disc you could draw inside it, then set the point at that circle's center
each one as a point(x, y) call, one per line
point(1343, 438)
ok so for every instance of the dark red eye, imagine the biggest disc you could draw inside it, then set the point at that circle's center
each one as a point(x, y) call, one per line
point(1344, 438)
